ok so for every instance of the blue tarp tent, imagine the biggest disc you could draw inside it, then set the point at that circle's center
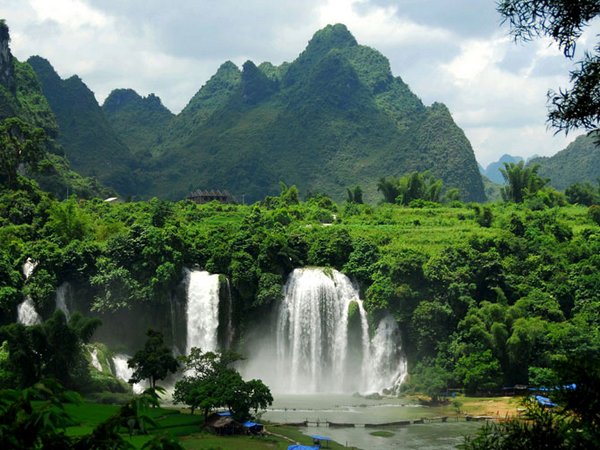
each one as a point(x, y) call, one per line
point(302, 447)
point(544, 401)
point(224, 414)
point(320, 438)
point(253, 426)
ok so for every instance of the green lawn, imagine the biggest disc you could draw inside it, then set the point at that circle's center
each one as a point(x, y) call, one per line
point(186, 428)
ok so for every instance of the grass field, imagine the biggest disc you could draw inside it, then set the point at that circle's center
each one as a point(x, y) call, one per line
point(187, 428)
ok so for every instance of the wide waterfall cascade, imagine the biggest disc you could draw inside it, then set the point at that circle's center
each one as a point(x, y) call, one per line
point(202, 311)
point(63, 294)
point(26, 313)
point(318, 349)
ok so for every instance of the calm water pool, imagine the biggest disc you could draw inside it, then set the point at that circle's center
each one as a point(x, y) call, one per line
point(349, 409)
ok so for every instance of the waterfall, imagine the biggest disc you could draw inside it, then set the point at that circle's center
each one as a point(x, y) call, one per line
point(95, 361)
point(124, 372)
point(387, 366)
point(313, 350)
point(28, 268)
point(62, 294)
point(228, 319)
point(202, 311)
point(26, 313)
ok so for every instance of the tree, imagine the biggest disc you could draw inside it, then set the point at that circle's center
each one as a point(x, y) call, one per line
point(355, 195)
point(520, 181)
point(19, 144)
point(210, 382)
point(583, 193)
point(154, 361)
point(419, 186)
point(564, 21)
point(389, 189)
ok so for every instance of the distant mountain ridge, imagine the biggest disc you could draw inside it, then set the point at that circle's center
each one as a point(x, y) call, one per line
point(492, 171)
point(335, 117)
point(578, 162)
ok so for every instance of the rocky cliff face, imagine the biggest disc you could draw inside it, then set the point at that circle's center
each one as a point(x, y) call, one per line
point(7, 71)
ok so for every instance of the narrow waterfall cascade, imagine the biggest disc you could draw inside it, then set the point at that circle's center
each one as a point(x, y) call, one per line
point(28, 267)
point(26, 313)
point(321, 349)
point(202, 311)
point(387, 365)
point(95, 361)
point(229, 331)
point(124, 372)
point(63, 296)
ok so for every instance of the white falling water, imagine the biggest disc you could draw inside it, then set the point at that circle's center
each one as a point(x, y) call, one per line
point(202, 311)
point(28, 267)
point(124, 372)
point(387, 366)
point(312, 339)
point(62, 294)
point(95, 361)
point(26, 313)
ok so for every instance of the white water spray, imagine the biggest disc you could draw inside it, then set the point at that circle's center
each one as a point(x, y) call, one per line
point(202, 311)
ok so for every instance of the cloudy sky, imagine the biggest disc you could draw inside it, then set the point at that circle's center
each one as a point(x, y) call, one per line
point(451, 51)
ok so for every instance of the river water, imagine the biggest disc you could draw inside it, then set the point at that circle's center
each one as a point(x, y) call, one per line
point(360, 411)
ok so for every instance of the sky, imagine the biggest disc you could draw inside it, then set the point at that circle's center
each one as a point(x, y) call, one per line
point(452, 51)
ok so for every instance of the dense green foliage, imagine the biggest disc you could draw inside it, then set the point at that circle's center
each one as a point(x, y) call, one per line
point(38, 418)
point(485, 297)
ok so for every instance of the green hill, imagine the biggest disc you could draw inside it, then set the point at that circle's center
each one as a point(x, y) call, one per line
point(21, 96)
point(140, 121)
point(579, 162)
point(333, 118)
point(89, 141)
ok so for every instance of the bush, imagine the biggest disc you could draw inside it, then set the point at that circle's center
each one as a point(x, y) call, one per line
point(594, 213)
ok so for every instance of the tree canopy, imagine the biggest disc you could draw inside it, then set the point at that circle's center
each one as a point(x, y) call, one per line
point(564, 21)
point(210, 382)
point(154, 362)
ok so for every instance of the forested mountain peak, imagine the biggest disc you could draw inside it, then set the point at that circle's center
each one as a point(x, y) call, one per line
point(332, 36)
point(89, 142)
point(578, 162)
point(120, 99)
point(220, 85)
